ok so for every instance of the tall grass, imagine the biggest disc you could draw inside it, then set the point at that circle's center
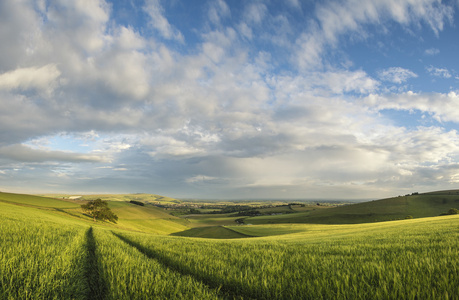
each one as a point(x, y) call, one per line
point(130, 274)
point(406, 260)
point(48, 256)
point(40, 259)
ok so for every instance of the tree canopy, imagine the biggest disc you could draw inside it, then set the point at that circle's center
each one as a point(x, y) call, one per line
point(99, 210)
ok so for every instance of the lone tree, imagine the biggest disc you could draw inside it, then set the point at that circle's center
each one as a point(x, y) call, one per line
point(99, 210)
point(453, 211)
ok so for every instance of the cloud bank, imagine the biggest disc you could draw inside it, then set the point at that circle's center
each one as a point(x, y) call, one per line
point(256, 101)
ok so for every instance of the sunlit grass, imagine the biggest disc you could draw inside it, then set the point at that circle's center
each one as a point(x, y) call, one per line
point(393, 260)
point(130, 274)
point(47, 254)
point(40, 257)
point(36, 201)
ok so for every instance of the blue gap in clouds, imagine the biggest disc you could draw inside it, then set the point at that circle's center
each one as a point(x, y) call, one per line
point(405, 48)
point(415, 118)
point(69, 143)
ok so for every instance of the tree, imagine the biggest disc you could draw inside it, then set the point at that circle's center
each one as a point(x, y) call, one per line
point(453, 211)
point(99, 210)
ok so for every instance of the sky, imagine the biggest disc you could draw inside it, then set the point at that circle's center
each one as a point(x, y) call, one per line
point(215, 99)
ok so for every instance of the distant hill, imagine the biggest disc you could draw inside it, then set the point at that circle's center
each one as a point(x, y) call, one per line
point(416, 205)
point(146, 198)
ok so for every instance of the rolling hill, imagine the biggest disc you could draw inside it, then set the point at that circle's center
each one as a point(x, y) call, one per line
point(416, 205)
point(50, 250)
point(218, 232)
point(131, 217)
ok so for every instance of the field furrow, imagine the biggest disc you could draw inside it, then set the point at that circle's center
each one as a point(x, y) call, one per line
point(130, 274)
point(97, 287)
point(224, 291)
point(47, 255)
point(40, 258)
point(397, 260)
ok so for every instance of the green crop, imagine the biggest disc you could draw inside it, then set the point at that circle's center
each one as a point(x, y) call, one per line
point(45, 254)
point(129, 274)
point(396, 260)
point(39, 258)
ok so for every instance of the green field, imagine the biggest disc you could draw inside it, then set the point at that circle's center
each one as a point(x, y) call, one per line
point(397, 208)
point(215, 232)
point(50, 250)
point(36, 201)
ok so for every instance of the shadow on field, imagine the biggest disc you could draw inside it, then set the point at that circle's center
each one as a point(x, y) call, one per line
point(96, 284)
point(226, 291)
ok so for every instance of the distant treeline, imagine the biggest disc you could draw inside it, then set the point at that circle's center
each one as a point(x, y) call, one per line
point(137, 203)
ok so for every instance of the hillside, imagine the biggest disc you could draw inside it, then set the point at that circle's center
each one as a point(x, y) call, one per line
point(36, 201)
point(49, 250)
point(147, 198)
point(146, 218)
point(417, 205)
point(213, 232)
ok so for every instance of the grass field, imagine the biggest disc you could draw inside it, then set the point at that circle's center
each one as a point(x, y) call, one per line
point(36, 201)
point(219, 232)
point(392, 260)
point(46, 253)
point(146, 218)
point(397, 208)
point(131, 217)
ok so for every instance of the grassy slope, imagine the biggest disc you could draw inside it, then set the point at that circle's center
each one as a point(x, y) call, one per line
point(36, 201)
point(418, 206)
point(271, 230)
point(218, 232)
point(401, 259)
point(406, 259)
point(146, 218)
point(211, 220)
point(132, 217)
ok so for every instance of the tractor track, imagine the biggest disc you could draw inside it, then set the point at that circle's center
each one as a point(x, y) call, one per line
point(224, 291)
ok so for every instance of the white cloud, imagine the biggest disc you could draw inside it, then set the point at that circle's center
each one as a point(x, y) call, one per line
point(219, 112)
point(336, 18)
point(346, 81)
point(294, 3)
point(245, 30)
point(40, 78)
point(20, 34)
point(200, 179)
point(396, 74)
point(255, 13)
point(127, 39)
point(23, 153)
point(81, 24)
point(443, 107)
point(432, 51)
point(159, 21)
point(439, 72)
point(218, 10)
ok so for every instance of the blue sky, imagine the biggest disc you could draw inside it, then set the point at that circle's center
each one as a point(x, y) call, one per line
point(229, 99)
